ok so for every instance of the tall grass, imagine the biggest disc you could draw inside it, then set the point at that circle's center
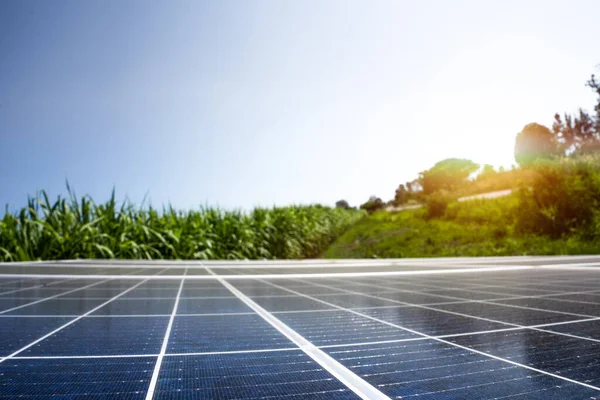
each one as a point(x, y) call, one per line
point(79, 228)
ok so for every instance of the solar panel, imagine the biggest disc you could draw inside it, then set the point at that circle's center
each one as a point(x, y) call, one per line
point(474, 328)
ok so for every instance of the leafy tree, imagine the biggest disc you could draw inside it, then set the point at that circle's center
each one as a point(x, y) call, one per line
point(437, 204)
point(487, 172)
point(534, 142)
point(595, 86)
point(576, 134)
point(563, 197)
point(373, 204)
point(448, 174)
point(342, 204)
point(402, 195)
point(580, 133)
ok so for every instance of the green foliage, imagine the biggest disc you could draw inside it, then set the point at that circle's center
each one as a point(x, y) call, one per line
point(579, 134)
point(473, 228)
point(448, 175)
point(500, 180)
point(342, 204)
point(401, 196)
point(437, 204)
point(409, 192)
point(79, 228)
point(373, 204)
point(562, 198)
point(594, 84)
point(533, 143)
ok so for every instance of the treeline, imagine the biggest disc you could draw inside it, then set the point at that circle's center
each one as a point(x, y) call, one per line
point(79, 228)
point(563, 154)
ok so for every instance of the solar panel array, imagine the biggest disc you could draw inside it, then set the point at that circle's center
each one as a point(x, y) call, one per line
point(489, 328)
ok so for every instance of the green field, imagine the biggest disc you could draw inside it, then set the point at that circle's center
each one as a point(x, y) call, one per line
point(79, 228)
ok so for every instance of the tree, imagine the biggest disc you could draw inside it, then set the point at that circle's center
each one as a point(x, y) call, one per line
point(534, 142)
point(402, 195)
point(579, 133)
point(595, 86)
point(448, 174)
point(487, 172)
point(414, 186)
point(373, 204)
point(342, 204)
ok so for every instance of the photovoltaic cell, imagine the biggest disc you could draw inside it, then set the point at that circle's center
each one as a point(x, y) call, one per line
point(58, 306)
point(283, 374)
point(432, 322)
point(200, 306)
point(224, 333)
point(434, 371)
point(289, 304)
point(340, 327)
point(590, 329)
point(522, 316)
point(557, 305)
point(146, 306)
point(104, 336)
point(123, 378)
point(17, 332)
point(566, 356)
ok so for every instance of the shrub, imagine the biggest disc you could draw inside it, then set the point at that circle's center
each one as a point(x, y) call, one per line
point(563, 197)
point(342, 204)
point(437, 204)
point(372, 205)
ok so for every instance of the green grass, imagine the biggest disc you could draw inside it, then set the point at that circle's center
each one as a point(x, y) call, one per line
point(473, 228)
point(79, 228)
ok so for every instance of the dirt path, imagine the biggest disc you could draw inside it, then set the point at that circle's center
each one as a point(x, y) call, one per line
point(488, 195)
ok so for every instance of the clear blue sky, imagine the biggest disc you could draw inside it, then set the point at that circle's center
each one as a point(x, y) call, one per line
point(241, 103)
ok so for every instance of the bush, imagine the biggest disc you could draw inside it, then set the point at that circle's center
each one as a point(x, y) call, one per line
point(342, 204)
point(437, 204)
point(373, 204)
point(564, 197)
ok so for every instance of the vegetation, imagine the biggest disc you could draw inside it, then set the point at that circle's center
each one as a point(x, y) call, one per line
point(490, 181)
point(373, 204)
point(437, 204)
point(409, 192)
point(494, 227)
point(563, 198)
point(79, 228)
point(448, 174)
point(535, 142)
point(554, 207)
point(579, 134)
point(342, 204)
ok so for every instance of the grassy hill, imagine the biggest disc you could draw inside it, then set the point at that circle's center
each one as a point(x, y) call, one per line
point(474, 228)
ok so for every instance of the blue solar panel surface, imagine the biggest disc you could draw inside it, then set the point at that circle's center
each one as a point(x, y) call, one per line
point(490, 328)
